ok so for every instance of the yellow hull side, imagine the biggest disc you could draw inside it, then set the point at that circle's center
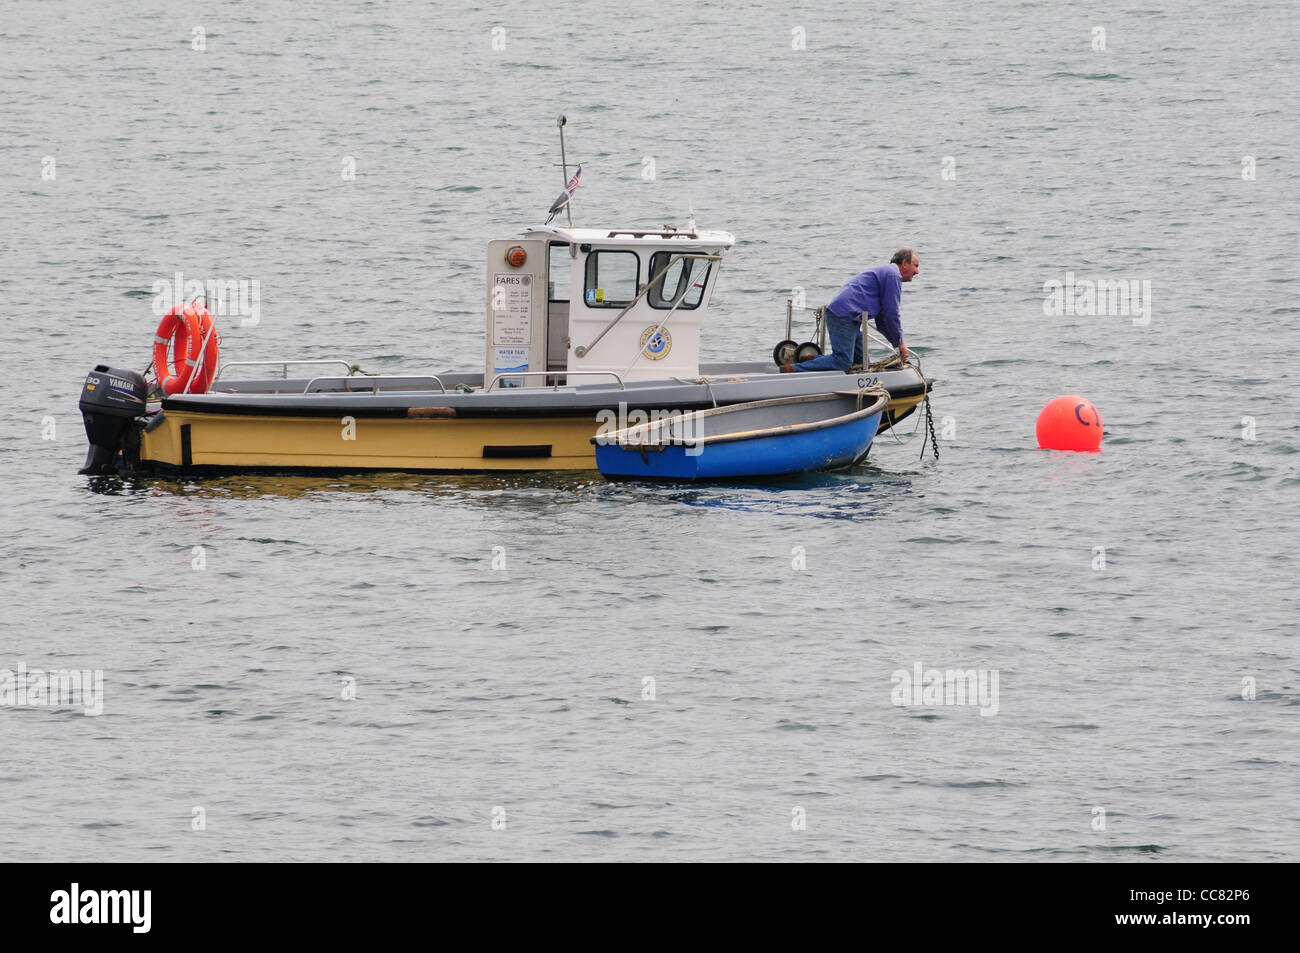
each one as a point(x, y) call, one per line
point(236, 441)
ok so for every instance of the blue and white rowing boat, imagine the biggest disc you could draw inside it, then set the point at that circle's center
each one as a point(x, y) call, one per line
point(761, 438)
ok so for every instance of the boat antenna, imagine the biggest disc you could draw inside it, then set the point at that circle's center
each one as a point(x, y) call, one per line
point(564, 168)
point(690, 212)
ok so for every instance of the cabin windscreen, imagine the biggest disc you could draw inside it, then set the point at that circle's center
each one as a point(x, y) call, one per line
point(611, 280)
point(685, 276)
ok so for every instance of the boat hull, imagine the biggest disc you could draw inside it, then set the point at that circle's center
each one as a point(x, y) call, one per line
point(272, 426)
point(761, 439)
point(187, 442)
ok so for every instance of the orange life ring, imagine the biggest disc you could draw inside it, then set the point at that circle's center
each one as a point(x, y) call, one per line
point(208, 368)
point(185, 327)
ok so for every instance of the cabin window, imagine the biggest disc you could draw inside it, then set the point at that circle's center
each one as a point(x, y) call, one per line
point(611, 279)
point(560, 267)
point(688, 275)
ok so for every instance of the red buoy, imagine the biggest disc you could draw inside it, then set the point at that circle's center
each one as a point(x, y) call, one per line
point(1069, 422)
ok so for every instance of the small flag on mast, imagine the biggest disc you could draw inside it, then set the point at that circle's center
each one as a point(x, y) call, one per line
point(573, 181)
point(558, 205)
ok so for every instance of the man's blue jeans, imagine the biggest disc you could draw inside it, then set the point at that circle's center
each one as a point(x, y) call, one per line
point(846, 339)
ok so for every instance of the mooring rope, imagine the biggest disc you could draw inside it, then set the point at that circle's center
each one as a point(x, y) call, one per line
point(701, 380)
point(927, 418)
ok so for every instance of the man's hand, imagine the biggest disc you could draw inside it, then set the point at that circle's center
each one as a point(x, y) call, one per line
point(904, 352)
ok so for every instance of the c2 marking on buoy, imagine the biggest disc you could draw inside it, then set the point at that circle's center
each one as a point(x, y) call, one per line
point(1062, 425)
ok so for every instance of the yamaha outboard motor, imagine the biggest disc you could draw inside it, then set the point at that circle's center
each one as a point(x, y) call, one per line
point(110, 401)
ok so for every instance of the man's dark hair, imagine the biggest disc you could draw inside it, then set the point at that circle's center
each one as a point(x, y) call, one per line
point(900, 256)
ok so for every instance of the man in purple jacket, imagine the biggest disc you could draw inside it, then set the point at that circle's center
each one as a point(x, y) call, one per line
point(875, 294)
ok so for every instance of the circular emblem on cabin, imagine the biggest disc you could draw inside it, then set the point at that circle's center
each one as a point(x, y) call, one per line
point(655, 344)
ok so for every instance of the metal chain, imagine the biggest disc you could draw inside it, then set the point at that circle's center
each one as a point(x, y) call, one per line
point(929, 420)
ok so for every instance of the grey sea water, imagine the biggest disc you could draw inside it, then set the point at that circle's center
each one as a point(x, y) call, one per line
point(559, 668)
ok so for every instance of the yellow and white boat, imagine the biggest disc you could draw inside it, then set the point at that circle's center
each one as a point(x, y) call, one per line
point(587, 330)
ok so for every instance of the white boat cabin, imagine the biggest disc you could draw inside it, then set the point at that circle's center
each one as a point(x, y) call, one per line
point(595, 303)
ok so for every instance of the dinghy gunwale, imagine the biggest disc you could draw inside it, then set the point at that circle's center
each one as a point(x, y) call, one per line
point(623, 440)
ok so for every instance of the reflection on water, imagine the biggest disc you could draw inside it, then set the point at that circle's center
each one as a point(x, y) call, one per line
point(286, 486)
point(846, 494)
point(851, 494)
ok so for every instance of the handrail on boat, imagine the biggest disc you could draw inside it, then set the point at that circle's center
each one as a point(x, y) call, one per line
point(819, 329)
point(375, 381)
point(662, 233)
point(819, 326)
point(226, 365)
point(613, 374)
point(658, 328)
point(583, 350)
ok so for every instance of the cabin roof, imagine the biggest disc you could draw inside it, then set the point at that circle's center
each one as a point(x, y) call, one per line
point(664, 237)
